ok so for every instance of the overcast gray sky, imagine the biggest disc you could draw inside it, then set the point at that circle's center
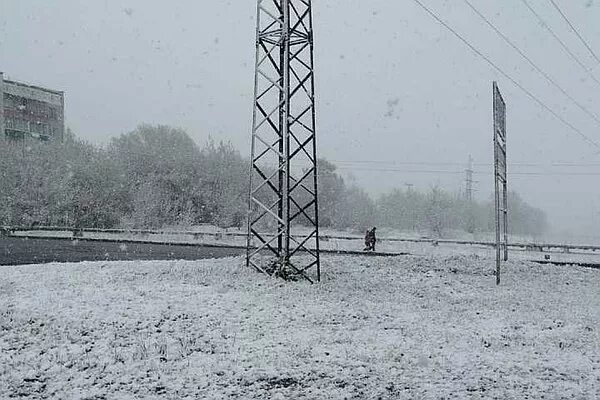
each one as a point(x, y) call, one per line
point(393, 84)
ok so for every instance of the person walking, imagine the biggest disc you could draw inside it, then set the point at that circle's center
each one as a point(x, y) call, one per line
point(367, 240)
point(373, 239)
point(370, 240)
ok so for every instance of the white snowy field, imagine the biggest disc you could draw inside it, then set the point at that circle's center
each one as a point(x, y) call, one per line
point(375, 328)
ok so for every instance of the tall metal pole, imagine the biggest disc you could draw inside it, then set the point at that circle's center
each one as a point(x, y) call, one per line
point(314, 148)
point(285, 192)
point(283, 204)
point(500, 179)
point(505, 190)
point(496, 195)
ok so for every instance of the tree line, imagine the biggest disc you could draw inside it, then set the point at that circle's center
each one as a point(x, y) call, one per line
point(157, 176)
point(433, 212)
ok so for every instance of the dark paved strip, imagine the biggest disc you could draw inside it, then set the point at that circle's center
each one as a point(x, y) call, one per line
point(19, 251)
point(40, 250)
point(134, 241)
point(34, 250)
point(364, 253)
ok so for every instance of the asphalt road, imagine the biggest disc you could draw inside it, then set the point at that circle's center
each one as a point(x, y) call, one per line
point(18, 251)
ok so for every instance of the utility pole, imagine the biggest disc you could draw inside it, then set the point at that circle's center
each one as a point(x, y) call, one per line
point(283, 204)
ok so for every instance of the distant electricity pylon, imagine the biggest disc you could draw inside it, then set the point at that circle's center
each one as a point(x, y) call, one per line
point(470, 215)
point(283, 217)
point(469, 180)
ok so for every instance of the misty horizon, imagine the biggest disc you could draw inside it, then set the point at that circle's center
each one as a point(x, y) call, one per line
point(400, 100)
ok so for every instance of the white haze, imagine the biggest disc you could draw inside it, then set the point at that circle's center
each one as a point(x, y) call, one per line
point(393, 85)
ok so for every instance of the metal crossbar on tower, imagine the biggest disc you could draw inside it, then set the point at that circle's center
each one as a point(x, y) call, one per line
point(283, 218)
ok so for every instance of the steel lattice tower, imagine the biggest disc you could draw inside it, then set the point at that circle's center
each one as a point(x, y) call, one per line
point(283, 217)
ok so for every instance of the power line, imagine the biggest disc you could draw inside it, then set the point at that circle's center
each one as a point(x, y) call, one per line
point(459, 172)
point(517, 84)
point(562, 44)
point(394, 162)
point(434, 163)
point(575, 30)
point(447, 171)
point(533, 64)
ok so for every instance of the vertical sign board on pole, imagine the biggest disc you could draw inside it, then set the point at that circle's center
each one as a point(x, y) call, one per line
point(501, 196)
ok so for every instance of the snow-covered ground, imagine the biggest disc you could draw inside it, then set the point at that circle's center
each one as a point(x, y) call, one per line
point(422, 327)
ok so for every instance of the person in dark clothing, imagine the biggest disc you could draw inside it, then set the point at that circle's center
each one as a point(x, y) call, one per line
point(370, 240)
point(367, 240)
point(373, 239)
